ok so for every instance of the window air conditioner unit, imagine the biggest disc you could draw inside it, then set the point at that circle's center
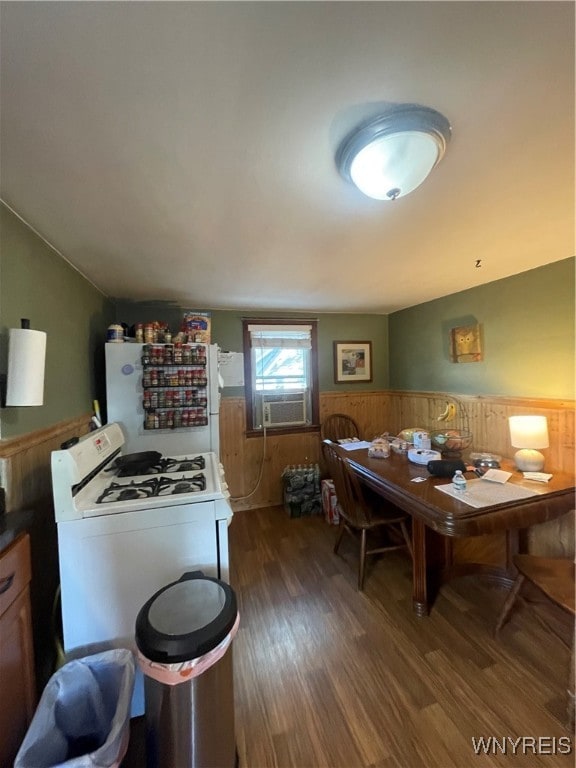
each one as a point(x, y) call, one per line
point(284, 410)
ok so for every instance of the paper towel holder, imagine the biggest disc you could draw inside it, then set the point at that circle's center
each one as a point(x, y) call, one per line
point(26, 366)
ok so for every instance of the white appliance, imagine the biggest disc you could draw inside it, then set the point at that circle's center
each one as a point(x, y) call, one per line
point(125, 398)
point(128, 527)
point(282, 410)
point(421, 456)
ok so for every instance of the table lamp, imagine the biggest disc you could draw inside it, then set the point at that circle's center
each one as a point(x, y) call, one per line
point(529, 433)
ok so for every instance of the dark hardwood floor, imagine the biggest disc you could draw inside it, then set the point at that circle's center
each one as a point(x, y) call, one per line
point(327, 677)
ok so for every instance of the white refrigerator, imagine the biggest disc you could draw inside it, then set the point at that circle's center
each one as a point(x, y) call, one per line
point(126, 395)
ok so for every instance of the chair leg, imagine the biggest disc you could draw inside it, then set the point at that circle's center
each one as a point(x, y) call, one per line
point(339, 537)
point(510, 600)
point(362, 564)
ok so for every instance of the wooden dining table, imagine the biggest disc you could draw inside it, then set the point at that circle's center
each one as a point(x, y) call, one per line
point(439, 518)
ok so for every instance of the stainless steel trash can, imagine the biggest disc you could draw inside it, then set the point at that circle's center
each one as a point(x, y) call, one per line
point(183, 634)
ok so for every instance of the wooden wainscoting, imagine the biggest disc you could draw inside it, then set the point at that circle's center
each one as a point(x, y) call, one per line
point(246, 460)
point(253, 465)
point(370, 410)
point(487, 418)
point(378, 412)
point(25, 462)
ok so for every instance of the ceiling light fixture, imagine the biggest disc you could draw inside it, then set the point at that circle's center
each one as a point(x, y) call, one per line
point(392, 154)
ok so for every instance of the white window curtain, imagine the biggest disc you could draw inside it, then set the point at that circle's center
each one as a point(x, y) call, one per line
point(280, 336)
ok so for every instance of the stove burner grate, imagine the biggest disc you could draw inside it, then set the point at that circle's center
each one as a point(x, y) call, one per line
point(154, 487)
point(127, 492)
point(169, 486)
point(184, 464)
point(163, 465)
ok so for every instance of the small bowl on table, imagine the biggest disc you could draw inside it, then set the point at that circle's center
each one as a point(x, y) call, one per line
point(485, 460)
point(451, 442)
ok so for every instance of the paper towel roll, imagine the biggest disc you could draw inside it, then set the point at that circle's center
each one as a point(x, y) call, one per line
point(26, 358)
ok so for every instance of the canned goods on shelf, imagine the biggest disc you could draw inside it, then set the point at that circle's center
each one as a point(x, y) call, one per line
point(115, 333)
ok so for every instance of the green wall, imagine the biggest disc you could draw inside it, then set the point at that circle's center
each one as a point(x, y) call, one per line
point(227, 333)
point(527, 324)
point(36, 283)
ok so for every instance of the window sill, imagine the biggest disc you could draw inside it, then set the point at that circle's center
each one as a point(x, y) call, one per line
point(283, 430)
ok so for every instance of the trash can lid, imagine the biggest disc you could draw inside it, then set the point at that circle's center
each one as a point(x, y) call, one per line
point(186, 619)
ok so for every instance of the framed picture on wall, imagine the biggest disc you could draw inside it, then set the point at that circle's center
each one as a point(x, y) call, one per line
point(352, 361)
point(466, 344)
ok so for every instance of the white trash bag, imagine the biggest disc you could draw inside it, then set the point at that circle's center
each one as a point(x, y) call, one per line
point(83, 717)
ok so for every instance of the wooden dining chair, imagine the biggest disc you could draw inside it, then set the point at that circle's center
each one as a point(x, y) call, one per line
point(338, 426)
point(554, 578)
point(359, 517)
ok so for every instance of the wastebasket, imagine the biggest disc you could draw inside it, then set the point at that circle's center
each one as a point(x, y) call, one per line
point(83, 717)
point(183, 634)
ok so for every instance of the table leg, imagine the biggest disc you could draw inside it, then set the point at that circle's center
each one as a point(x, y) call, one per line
point(512, 548)
point(419, 569)
point(433, 553)
point(516, 543)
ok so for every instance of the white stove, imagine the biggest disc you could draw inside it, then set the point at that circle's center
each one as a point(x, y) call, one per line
point(90, 479)
point(128, 525)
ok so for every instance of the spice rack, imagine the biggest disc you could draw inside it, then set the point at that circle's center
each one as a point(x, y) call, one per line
point(174, 385)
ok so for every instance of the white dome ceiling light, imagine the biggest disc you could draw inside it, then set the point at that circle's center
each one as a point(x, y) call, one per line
point(390, 155)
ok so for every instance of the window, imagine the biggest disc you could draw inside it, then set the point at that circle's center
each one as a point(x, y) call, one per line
point(280, 360)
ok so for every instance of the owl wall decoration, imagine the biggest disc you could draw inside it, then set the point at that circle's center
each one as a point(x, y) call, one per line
point(466, 344)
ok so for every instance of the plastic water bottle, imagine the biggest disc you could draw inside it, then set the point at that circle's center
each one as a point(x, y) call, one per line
point(459, 482)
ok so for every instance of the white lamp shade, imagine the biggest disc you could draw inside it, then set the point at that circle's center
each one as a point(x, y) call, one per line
point(26, 359)
point(529, 431)
point(393, 166)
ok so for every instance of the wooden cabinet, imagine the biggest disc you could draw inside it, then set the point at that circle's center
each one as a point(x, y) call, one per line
point(17, 683)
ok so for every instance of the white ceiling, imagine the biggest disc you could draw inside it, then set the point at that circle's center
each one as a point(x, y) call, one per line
point(184, 151)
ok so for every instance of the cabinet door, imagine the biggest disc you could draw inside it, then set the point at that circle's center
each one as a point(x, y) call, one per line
point(16, 677)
